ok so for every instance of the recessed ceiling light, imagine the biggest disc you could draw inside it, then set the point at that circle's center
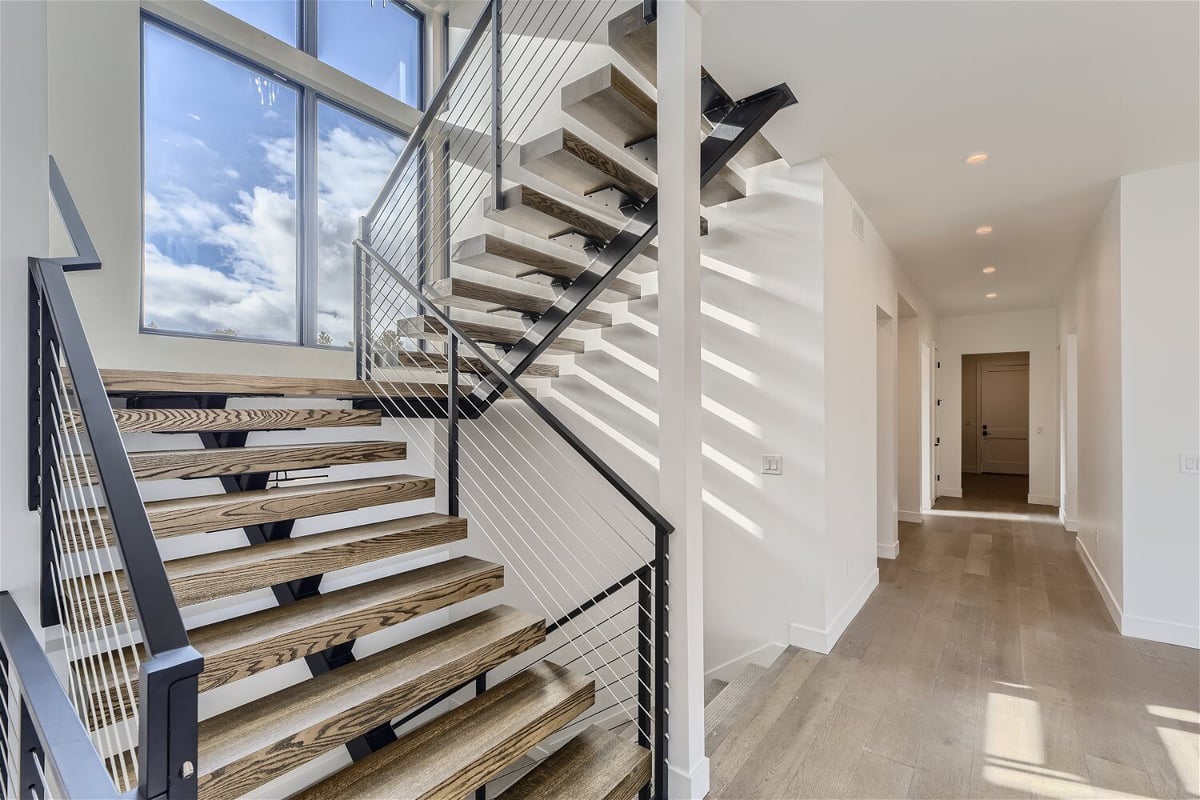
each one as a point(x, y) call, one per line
point(988, 270)
point(976, 158)
point(984, 230)
point(991, 295)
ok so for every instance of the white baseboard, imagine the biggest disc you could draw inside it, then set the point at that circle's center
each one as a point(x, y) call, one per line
point(1072, 525)
point(822, 641)
point(887, 550)
point(950, 492)
point(731, 669)
point(1110, 600)
point(689, 785)
point(1161, 630)
point(911, 516)
point(1042, 500)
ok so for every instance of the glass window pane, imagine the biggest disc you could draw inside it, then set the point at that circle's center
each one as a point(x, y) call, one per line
point(220, 194)
point(377, 42)
point(354, 158)
point(278, 18)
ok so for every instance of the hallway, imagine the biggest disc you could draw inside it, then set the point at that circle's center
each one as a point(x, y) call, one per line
point(984, 665)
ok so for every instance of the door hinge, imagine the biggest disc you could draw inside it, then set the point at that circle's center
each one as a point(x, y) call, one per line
point(939, 402)
point(939, 477)
point(939, 365)
point(937, 441)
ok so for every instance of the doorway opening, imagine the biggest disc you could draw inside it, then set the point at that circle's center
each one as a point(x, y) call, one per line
point(995, 436)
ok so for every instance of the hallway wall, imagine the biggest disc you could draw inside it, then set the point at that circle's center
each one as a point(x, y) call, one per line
point(1034, 331)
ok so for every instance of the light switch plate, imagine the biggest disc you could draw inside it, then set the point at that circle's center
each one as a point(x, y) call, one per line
point(1189, 463)
point(772, 465)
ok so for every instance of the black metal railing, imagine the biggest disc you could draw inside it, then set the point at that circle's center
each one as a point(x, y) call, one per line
point(75, 446)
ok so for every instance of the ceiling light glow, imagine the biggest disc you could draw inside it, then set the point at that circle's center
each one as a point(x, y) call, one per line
point(989, 269)
point(984, 230)
point(991, 295)
point(977, 158)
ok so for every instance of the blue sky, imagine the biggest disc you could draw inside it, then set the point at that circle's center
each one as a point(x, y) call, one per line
point(220, 185)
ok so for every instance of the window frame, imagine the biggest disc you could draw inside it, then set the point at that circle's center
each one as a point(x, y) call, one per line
point(310, 94)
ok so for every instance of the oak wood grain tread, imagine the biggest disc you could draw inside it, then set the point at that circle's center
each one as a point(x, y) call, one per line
point(130, 382)
point(199, 420)
point(156, 465)
point(612, 105)
point(463, 749)
point(431, 329)
point(239, 647)
point(211, 576)
point(250, 745)
point(596, 764)
point(571, 162)
point(412, 359)
point(217, 512)
point(502, 257)
point(483, 297)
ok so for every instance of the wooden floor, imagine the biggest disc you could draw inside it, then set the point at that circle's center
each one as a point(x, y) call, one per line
point(984, 665)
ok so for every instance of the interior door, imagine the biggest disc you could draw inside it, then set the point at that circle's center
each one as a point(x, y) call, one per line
point(1004, 418)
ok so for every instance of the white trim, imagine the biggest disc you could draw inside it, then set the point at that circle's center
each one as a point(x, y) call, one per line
point(1110, 600)
point(1071, 525)
point(688, 785)
point(1161, 630)
point(763, 656)
point(1042, 500)
point(911, 516)
point(822, 641)
point(950, 493)
point(887, 550)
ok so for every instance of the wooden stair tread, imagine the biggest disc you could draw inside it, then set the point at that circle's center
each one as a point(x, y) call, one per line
point(155, 465)
point(218, 512)
point(725, 187)
point(637, 43)
point(468, 746)
point(196, 420)
point(713, 688)
point(569, 161)
point(125, 382)
point(211, 576)
point(595, 764)
point(430, 329)
point(612, 105)
point(412, 359)
point(494, 254)
point(474, 296)
point(250, 745)
point(242, 646)
point(723, 707)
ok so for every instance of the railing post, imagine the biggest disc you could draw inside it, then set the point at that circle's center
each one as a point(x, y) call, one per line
point(47, 495)
point(362, 306)
point(497, 105)
point(452, 418)
point(168, 735)
point(645, 669)
point(35, 395)
point(32, 761)
point(6, 746)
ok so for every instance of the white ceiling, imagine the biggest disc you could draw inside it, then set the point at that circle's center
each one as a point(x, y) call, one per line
point(1065, 96)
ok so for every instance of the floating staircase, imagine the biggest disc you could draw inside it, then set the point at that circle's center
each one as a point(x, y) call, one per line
point(271, 735)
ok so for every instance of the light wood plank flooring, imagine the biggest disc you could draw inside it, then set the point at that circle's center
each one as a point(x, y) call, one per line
point(984, 665)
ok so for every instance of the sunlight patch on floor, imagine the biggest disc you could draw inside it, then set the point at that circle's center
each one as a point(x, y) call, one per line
point(1183, 748)
point(1005, 515)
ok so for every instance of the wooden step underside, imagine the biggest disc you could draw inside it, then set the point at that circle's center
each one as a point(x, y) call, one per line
point(157, 465)
point(184, 515)
point(199, 420)
point(414, 359)
point(125, 382)
point(211, 576)
point(494, 254)
point(483, 297)
point(248, 746)
point(595, 764)
point(237, 648)
point(465, 748)
point(430, 329)
point(637, 43)
point(569, 161)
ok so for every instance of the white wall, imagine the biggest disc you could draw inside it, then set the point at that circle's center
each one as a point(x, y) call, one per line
point(886, 464)
point(24, 199)
point(1034, 331)
point(909, 404)
point(1132, 303)
point(1160, 402)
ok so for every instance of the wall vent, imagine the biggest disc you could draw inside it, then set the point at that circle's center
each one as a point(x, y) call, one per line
point(856, 222)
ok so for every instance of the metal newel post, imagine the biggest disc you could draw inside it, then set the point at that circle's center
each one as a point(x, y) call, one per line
point(32, 760)
point(497, 107)
point(48, 401)
point(662, 582)
point(452, 399)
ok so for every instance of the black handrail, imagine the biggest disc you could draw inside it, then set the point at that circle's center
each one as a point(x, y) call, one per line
point(58, 734)
point(167, 694)
point(595, 461)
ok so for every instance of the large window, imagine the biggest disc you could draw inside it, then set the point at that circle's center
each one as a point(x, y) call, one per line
point(241, 239)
